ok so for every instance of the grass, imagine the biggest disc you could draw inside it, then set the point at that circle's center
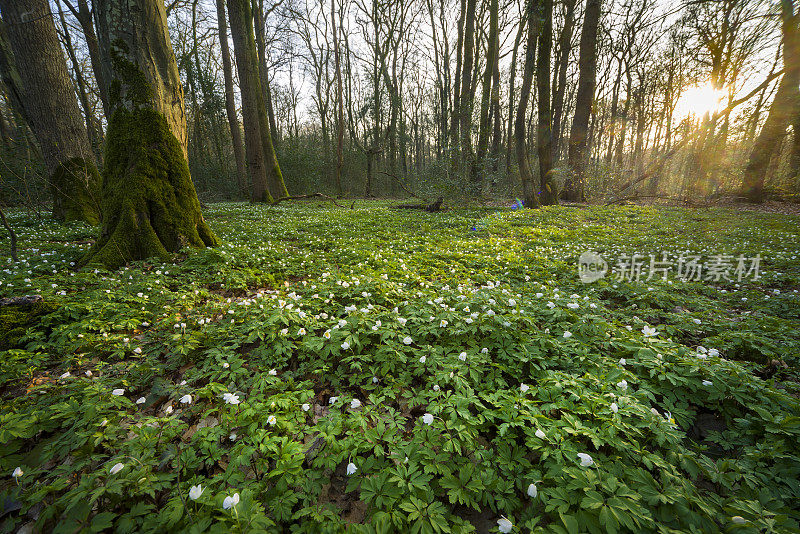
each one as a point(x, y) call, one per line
point(407, 372)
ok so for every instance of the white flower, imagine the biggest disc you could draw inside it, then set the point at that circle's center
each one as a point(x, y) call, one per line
point(504, 525)
point(232, 437)
point(18, 472)
point(512, 302)
point(230, 398)
point(273, 372)
point(614, 407)
point(697, 321)
point(117, 468)
point(567, 334)
point(345, 345)
point(422, 359)
point(333, 400)
point(427, 418)
point(649, 331)
point(141, 400)
point(230, 501)
point(407, 340)
point(65, 375)
point(623, 385)
point(271, 420)
point(355, 404)
point(301, 332)
point(306, 407)
point(436, 387)
point(551, 305)
point(707, 382)
point(623, 361)
point(195, 492)
point(524, 387)
point(739, 520)
point(138, 350)
point(186, 399)
point(225, 365)
point(442, 323)
point(168, 410)
point(484, 350)
point(118, 392)
point(573, 305)
point(402, 321)
point(713, 352)
point(539, 433)
point(88, 373)
point(586, 460)
point(374, 379)
point(462, 356)
point(351, 468)
point(532, 491)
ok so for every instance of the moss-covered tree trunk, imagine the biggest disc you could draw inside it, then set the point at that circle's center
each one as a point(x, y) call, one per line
point(35, 63)
point(148, 197)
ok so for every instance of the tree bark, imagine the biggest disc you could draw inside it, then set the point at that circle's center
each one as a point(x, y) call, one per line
point(149, 200)
point(529, 196)
point(492, 54)
point(467, 93)
point(783, 109)
point(544, 133)
point(50, 107)
point(560, 77)
point(579, 149)
point(254, 113)
point(339, 104)
point(230, 103)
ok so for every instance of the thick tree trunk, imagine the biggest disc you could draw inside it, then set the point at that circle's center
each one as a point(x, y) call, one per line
point(149, 201)
point(784, 108)
point(230, 103)
point(544, 133)
point(579, 148)
point(47, 100)
point(529, 196)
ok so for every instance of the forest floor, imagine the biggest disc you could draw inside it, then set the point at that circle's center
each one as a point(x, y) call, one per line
point(391, 371)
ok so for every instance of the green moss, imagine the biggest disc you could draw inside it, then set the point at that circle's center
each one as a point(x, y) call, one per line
point(15, 321)
point(149, 199)
point(130, 83)
point(76, 185)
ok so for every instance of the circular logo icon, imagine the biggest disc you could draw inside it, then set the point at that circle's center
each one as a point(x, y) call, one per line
point(591, 267)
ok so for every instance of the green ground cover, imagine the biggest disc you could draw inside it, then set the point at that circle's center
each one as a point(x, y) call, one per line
point(383, 371)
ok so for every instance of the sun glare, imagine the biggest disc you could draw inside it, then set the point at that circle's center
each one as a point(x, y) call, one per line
point(700, 99)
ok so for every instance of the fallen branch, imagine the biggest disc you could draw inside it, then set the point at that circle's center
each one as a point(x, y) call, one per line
point(430, 208)
point(305, 197)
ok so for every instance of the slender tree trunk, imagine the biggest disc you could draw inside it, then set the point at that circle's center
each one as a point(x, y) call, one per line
point(230, 103)
point(149, 201)
point(254, 111)
point(579, 148)
point(467, 92)
point(456, 112)
point(49, 106)
point(492, 54)
point(560, 85)
point(83, 14)
point(530, 198)
point(339, 103)
point(512, 75)
point(544, 133)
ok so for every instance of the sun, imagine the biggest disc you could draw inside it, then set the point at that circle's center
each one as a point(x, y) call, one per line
point(698, 100)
